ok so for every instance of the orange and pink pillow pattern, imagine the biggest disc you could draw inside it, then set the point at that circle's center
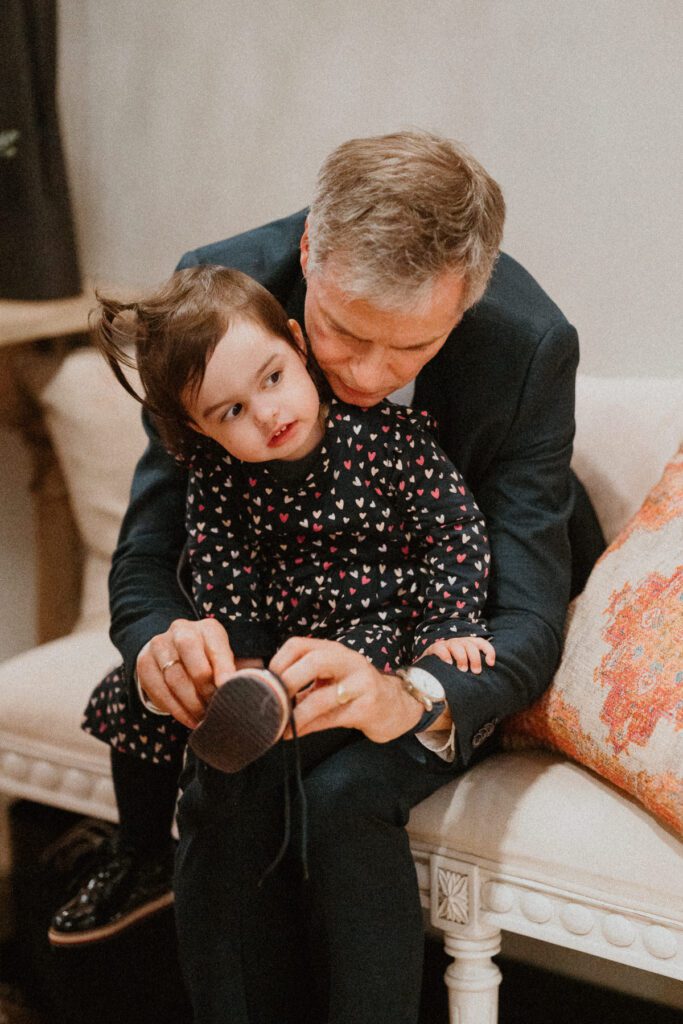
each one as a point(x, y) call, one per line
point(616, 703)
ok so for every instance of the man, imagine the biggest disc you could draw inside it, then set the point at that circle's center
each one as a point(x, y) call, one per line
point(395, 272)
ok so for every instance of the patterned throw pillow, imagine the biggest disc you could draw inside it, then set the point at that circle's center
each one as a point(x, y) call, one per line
point(616, 702)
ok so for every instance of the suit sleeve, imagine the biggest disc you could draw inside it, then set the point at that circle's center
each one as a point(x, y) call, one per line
point(526, 498)
point(445, 525)
point(225, 567)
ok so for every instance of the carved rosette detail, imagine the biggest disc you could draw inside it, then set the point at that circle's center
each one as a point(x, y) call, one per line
point(453, 898)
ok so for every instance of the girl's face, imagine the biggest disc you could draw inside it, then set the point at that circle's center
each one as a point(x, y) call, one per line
point(257, 399)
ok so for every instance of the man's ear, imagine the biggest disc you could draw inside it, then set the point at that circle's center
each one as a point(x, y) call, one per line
point(304, 249)
point(298, 335)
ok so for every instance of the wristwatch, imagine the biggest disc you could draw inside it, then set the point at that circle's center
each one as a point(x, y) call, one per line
point(424, 688)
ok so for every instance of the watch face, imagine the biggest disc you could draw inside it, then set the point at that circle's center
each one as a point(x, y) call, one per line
point(426, 683)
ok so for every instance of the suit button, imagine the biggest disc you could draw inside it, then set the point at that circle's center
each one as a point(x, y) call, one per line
point(483, 734)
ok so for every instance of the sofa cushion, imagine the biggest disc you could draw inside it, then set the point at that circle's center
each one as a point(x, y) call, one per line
point(615, 703)
point(97, 432)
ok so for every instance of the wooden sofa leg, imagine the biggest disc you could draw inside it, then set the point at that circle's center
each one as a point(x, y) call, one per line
point(473, 979)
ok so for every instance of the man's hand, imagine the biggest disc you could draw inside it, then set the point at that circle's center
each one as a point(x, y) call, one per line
point(180, 669)
point(348, 691)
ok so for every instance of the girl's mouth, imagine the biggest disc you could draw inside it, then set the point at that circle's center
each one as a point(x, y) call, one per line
point(281, 435)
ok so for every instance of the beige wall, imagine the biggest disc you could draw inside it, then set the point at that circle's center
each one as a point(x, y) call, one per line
point(188, 120)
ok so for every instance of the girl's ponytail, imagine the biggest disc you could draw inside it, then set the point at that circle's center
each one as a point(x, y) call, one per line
point(118, 328)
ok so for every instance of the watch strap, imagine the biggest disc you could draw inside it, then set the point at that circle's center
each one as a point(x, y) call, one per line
point(428, 717)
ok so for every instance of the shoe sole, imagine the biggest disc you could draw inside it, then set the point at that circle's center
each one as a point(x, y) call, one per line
point(107, 931)
point(245, 717)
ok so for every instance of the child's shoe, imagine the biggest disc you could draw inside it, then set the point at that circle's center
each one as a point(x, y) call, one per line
point(122, 887)
point(245, 717)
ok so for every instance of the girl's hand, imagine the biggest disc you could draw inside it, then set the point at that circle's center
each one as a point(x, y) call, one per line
point(349, 692)
point(180, 669)
point(465, 652)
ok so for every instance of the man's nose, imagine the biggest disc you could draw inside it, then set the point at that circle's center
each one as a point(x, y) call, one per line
point(368, 369)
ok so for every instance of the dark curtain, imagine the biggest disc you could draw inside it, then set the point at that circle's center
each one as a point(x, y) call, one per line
point(38, 257)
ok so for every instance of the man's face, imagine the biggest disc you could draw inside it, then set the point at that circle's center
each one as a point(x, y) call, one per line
point(367, 352)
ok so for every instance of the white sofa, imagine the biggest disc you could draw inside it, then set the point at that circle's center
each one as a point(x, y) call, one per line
point(529, 844)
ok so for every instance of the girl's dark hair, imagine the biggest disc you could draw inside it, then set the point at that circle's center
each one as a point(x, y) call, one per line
point(174, 333)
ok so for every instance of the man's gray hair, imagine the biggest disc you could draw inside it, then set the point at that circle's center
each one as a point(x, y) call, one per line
point(393, 212)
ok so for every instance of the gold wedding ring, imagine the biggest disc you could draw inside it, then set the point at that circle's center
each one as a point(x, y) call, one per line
point(169, 664)
point(343, 696)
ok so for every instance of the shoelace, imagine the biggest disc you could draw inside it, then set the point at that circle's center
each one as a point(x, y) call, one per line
point(284, 846)
point(181, 569)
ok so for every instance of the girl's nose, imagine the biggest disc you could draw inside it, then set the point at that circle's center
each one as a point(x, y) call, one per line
point(265, 413)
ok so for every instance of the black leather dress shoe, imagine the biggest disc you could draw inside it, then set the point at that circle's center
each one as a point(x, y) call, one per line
point(121, 890)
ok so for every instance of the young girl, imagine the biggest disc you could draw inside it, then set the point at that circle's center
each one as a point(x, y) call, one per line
point(303, 518)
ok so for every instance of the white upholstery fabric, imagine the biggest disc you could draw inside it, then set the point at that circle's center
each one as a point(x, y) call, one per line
point(44, 753)
point(537, 816)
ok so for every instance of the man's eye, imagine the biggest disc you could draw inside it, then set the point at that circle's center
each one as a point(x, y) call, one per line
point(233, 412)
point(274, 378)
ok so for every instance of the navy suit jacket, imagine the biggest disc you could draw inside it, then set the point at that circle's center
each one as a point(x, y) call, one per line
point(502, 391)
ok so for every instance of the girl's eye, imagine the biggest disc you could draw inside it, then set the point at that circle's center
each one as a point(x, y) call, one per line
point(233, 412)
point(274, 378)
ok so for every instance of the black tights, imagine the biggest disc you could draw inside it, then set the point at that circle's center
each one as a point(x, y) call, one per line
point(145, 796)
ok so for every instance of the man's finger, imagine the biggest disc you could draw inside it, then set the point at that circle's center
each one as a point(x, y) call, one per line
point(325, 661)
point(304, 670)
point(322, 703)
point(178, 712)
point(195, 665)
point(184, 691)
point(218, 650)
point(331, 706)
point(156, 689)
point(163, 677)
point(331, 720)
point(289, 653)
point(205, 654)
